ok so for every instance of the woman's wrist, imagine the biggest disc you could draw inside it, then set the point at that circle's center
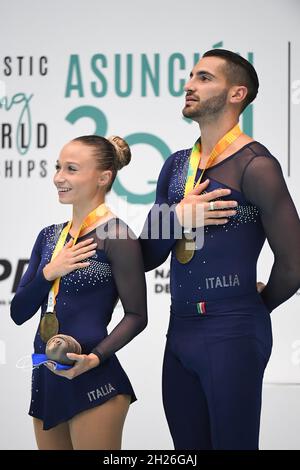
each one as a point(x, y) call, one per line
point(94, 360)
point(47, 273)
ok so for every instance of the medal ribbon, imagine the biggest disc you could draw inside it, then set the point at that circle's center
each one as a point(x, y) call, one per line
point(91, 218)
point(195, 157)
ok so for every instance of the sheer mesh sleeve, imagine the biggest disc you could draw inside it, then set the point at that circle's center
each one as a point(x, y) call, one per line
point(33, 288)
point(264, 186)
point(162, 227)
point(124, 254)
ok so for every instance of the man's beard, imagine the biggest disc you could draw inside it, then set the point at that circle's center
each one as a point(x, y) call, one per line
point(207, 109)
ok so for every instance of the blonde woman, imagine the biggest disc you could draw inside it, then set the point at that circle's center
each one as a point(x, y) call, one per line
point(77, 272)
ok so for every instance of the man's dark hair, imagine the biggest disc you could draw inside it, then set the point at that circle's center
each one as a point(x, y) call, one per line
point(238, 72)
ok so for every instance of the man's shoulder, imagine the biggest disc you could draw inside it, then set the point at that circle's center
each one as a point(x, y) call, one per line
point(258, 149)
point(182, 153)
point(179, 156)
point(174, 163)
point(260, 158)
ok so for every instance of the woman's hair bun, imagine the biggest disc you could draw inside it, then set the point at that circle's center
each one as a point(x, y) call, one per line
point(122, 150)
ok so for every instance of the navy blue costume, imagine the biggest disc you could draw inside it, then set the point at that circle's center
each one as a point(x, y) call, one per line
point(215, 355)
point(84, 307)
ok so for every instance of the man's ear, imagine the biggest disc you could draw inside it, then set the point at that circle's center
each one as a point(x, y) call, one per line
point(237, 94)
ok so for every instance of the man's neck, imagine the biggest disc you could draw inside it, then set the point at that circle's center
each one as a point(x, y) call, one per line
point(212, 131)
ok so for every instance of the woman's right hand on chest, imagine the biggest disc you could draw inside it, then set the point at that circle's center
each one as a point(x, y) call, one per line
point(70, 258)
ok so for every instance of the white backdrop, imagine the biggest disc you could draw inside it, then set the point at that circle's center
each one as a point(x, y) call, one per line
point(123, 63)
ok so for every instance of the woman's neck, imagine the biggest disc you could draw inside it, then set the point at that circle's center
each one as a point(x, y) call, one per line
point(80, 212)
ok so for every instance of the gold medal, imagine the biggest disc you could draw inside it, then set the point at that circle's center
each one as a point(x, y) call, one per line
point(184, 250)
point(48, 326)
